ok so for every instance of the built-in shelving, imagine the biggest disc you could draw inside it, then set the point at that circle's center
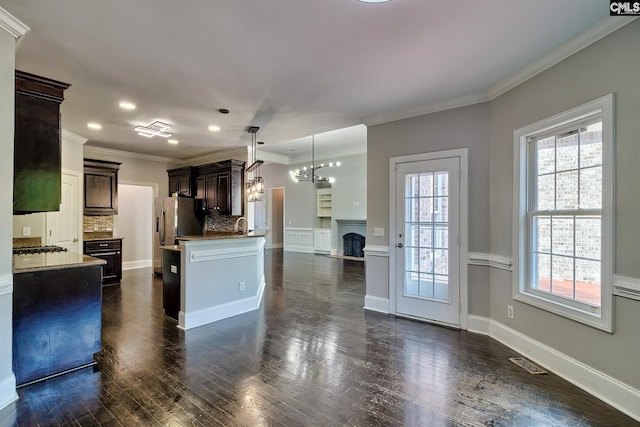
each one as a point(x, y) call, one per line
point(324, 202)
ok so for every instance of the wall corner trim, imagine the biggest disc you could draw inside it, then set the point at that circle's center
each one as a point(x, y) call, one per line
point(490, 260)
point(381, 305)
point(608, 389)
point(12, 25)
point(627, 287)
point(6, 284)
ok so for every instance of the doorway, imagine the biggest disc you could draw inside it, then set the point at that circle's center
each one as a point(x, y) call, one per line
point(276, 218)
point(134, 224)
point(429, 229)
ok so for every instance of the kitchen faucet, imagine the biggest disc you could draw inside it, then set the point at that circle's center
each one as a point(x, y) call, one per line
point(237, 226)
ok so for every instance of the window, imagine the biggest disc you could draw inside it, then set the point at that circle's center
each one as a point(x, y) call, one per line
point(563, 215)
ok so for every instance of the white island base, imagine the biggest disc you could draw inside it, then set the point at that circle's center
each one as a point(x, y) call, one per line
point(219, 278)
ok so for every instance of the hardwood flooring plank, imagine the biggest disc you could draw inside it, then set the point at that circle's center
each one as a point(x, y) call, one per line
point(310, 356)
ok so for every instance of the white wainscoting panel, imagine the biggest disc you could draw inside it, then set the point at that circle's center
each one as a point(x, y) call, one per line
point(8, 393)
point(608, 389)
point(298, 240)
point(627, 287)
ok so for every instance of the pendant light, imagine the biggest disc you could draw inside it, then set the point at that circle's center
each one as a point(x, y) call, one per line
point(255, 183)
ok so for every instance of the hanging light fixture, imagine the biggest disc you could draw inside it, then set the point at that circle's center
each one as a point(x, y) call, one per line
point(255, 183)
point(309, 173)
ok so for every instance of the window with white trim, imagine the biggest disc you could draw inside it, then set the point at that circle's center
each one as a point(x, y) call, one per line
point(563, 215)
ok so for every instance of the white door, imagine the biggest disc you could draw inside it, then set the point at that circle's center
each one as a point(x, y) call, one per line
point(427, 243)
point(261, 215)
point(62, 226)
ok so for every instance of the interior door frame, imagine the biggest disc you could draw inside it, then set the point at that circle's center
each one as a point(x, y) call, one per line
point(463, 155)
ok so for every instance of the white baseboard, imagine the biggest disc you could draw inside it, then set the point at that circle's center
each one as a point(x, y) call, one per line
point(8, 393)
point(610, 390)
point(130, 265)
point(381, 305)
point(304, 249)
point(478, 324)
point(222, 311)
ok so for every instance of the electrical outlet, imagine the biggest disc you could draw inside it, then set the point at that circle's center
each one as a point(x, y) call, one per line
point(242, 287)
point(26, 231)
point(510, 311)
point(174, 269)
point(378, 231)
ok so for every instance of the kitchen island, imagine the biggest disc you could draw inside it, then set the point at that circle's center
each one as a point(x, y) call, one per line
point(221, 275)
point(57, 313)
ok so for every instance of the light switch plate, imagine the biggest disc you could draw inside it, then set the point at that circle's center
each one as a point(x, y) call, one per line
point(378, 231)
point(174, 269)
point(26, 231)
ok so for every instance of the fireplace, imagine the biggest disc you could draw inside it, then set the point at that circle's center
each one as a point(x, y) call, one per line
point(353, 244)
point(347, 227)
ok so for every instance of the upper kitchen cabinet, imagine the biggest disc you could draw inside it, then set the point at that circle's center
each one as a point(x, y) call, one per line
point(220, 185)
point(182, 181)
point(36, 159)
point(100, 187)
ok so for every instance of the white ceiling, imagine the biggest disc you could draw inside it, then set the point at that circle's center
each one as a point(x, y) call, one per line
point(292, 67)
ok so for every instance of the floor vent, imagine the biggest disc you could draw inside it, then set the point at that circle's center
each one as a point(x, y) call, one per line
point(529, 366)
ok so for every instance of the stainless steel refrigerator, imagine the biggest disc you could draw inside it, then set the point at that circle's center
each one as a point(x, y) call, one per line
point(174, 217)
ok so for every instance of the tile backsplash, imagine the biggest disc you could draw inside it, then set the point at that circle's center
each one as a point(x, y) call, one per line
point(222, 223)
point(93, 223)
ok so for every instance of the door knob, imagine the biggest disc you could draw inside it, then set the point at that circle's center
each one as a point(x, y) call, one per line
point(400, 245)
point(75, 240)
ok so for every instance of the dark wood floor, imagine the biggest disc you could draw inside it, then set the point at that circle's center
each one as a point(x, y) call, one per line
point(310, 356)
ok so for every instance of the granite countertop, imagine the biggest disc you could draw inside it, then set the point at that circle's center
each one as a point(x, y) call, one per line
point(26, 263)
point(223, 235)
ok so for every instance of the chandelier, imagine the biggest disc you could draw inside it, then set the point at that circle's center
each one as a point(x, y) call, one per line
point(309, 173)
point(255, 183)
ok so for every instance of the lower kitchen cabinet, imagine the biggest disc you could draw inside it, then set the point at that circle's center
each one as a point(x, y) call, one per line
point(109, 250)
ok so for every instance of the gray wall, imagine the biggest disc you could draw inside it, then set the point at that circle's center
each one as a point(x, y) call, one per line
point(135, 215)
point(609, 65)
point(7, 87)
point(458, 128)
point(277, 214)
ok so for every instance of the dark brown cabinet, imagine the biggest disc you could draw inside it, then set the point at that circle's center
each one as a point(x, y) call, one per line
point(182, 181)
point(220, 185)
point(37, 153)
point(100, 187)
point(109, 250)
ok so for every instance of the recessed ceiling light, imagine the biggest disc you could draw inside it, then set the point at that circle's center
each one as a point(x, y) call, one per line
point(127, 105)
point(214, 128)
point(94, 126)
point(172, 141)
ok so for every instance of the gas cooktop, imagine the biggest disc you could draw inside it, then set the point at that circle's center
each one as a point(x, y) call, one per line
point(38, 250)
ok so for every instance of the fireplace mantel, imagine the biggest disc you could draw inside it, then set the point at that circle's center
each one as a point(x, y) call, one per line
point(345, 226)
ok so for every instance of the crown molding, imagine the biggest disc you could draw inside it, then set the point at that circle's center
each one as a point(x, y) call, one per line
point(217, 156)
point(586, 38)
point(72, 137)
point(12, 25)
point(89, 150)
point(447, 104)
